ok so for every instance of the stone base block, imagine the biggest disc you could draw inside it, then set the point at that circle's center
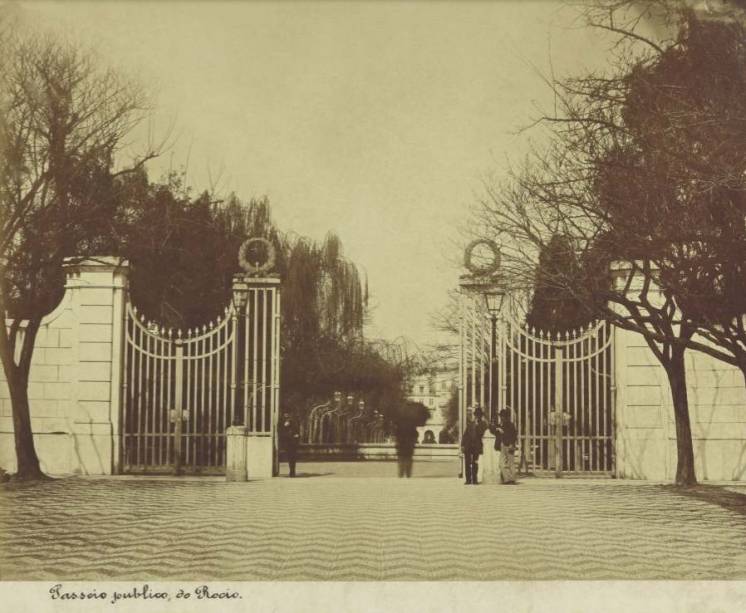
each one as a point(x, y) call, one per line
point(259, 456)
point(235, 454)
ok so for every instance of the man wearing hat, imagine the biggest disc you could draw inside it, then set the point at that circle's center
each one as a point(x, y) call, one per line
point(508, 436)
point(471, 443)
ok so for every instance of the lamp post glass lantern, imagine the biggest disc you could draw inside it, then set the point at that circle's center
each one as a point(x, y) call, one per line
point(494, 301)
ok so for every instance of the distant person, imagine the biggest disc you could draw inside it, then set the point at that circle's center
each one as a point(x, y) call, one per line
point(406, 439)
point(508, 438)
point(290, 440)
point(471, 443)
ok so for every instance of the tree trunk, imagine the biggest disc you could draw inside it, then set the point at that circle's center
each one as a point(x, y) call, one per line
point(28, 461)
point(17, 376)
point(676, 371)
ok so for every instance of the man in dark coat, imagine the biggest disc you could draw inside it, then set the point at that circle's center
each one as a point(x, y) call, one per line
point(471, 443)
point(289, 440)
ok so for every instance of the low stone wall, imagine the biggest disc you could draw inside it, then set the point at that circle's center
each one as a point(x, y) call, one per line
point(644, 422)
point(645, 428)
point(373, 451)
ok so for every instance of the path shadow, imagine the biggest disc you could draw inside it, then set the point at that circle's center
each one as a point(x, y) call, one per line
point(713, 494)
point(306, 475)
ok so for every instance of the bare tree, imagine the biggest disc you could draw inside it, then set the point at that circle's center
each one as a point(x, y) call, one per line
point(64, 121)
point(645, 171)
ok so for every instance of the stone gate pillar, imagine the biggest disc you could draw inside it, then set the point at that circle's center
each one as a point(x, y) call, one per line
point(97, 290)
point(256, 296)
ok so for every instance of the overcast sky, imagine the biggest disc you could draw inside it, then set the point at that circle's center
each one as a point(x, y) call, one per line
point(375, 121)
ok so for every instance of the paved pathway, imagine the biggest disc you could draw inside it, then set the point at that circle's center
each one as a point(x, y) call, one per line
point(362, 528)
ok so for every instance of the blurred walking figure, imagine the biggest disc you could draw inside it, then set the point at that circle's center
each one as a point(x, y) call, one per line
point(289, 440)
point(508, 436)
point(410, 416)
point(406, 439)
point(471, 443)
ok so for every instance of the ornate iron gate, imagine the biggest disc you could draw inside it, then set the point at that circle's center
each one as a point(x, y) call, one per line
point(182, 390)
point(559, 388)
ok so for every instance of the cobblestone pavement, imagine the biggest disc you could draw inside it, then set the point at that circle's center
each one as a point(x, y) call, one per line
point(363, 528)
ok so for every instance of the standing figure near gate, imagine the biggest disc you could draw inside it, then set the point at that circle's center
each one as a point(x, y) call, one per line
point(289, 440)
point(471, 443)
point(508, 436)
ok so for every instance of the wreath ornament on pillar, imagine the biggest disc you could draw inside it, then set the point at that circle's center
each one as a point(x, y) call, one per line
point(491, 261)
point(257, 256)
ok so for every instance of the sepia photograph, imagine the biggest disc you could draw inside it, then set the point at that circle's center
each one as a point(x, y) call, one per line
point(372, 305)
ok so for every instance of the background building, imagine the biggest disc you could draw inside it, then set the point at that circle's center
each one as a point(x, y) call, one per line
point(434, 389)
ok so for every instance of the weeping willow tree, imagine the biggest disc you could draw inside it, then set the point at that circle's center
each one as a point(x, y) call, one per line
point(324, 305)
point(184, 254)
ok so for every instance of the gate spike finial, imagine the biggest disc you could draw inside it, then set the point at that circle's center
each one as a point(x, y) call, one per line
point(178, 333)
point(189, 332)
point(142, 317)
point(212, 325)
point(134, 309)
point(170, 332)
point(204, 328)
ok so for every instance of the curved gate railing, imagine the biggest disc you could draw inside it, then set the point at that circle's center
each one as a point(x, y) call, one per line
point(177, 393)
point(181, 391)
point(559, 387)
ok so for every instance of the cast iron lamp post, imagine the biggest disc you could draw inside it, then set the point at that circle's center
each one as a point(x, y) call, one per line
point(494, 301)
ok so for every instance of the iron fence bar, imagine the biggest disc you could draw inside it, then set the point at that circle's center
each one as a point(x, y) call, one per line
point(607, 398)
point(579, 404)
point(167, 406)
point(139, 403)
point(191, 376)
point(234, 374)
point(265, 361)
point(534, 432)
point(462, 370)
point(542, 392)
point(276, 297)
point(178, 404)
point(219, 406)
point(160, 395)
point(254, 361)
point(149, 409)
point(125, 397)
point(201, 429)
point(558, 395)
point(473, 356)
point(246, 360)
point(596, 389)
